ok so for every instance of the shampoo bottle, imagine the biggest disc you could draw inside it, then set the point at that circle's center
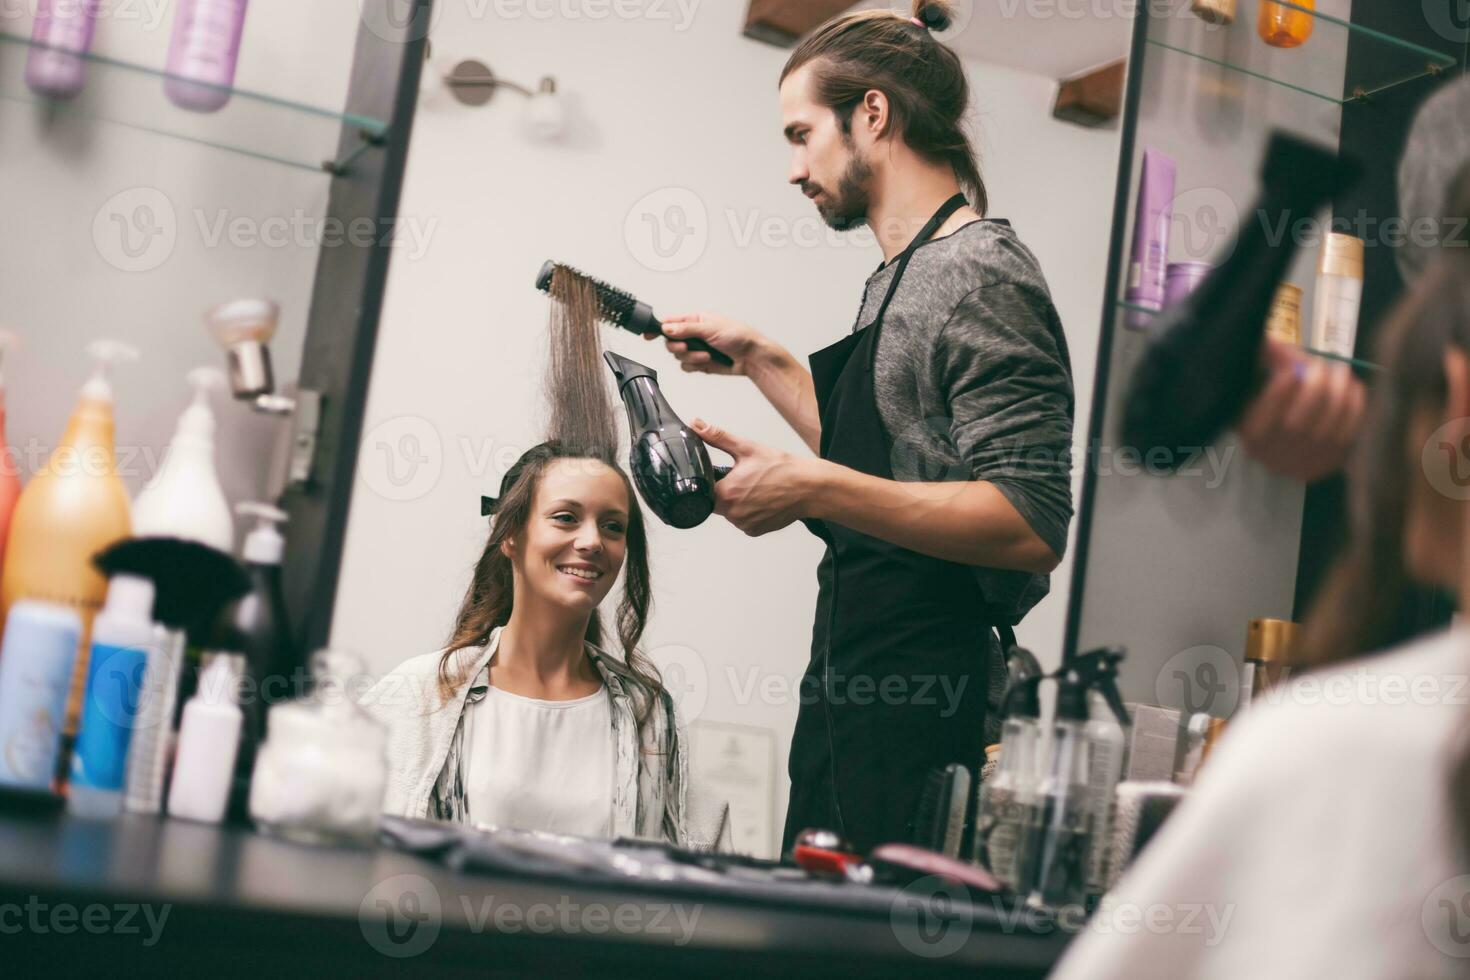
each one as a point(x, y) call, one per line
point(1339, 295)
point(9, 464)
point(208, 740)
point(35, 673)
point(204, 52)
point(74, 507)
point(122, 638)
point(1149, 261)
point(62, 33)
point(185, 499)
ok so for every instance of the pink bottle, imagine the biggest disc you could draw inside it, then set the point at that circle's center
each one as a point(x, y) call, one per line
point(62, 27)
point(204, 52)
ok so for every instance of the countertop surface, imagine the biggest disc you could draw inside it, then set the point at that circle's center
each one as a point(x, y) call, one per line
point(230, 900)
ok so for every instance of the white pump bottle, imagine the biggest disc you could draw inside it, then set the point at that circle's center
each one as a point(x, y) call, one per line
point(185, 499)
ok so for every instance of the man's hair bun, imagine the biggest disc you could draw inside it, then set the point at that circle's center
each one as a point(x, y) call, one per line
point(936, 15)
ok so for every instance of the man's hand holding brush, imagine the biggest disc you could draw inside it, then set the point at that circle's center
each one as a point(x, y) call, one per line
point(786, 384)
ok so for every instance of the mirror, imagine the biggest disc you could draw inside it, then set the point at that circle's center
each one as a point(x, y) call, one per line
point(658, 165)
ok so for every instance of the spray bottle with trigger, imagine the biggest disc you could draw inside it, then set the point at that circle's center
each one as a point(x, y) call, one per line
point(258, 630)
point(1107, 739)
point(1057, 843)
point(1010, 791)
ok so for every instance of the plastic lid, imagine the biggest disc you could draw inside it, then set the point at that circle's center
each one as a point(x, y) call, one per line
point(1342, 255)
point(265, 544)
point(244, 319)
point(1071, 697)
point(1023, 687)
point(130, 596)
point(219, 682)
point(106, 353)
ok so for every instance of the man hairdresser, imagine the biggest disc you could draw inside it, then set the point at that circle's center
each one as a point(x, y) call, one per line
point(942, 423)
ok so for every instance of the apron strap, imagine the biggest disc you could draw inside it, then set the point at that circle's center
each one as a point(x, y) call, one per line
point(1007, 639)
point(946, 209)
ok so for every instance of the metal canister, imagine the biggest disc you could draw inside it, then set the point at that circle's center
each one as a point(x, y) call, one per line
point(1214, 11)
point(1270, 654)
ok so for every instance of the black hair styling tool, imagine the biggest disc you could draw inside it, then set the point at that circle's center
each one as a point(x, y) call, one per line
point(943, 810)
point(622, 310)
point(1203, 367)
point(670, 463)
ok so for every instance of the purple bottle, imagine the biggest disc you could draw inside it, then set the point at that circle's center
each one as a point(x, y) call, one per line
point(62, 27)
point(204, 52)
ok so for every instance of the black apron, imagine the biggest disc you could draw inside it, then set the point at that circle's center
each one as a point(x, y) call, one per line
point(896, 685)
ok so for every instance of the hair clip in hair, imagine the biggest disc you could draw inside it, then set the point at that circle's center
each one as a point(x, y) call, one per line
point(488, 505)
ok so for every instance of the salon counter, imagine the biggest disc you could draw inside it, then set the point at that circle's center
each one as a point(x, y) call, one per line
point(80, 895)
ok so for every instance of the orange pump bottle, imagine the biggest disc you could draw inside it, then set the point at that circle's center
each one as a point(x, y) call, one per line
point(74, 507)
point(9, 464)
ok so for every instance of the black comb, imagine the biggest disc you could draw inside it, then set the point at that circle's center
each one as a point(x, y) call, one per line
point(621, 309)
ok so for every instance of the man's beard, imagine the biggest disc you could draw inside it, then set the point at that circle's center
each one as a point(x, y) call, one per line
point(849, 207)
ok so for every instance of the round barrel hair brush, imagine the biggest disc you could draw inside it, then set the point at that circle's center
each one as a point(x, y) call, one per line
point(621, 309)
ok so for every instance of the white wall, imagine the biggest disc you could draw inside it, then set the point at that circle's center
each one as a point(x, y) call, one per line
point(66, 179)
point(670, 128)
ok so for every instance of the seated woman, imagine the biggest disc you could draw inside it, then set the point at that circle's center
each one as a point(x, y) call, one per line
point(526, 720)
point(1329, 835)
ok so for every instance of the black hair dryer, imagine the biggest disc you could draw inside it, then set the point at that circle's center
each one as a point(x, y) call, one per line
point(670, 464)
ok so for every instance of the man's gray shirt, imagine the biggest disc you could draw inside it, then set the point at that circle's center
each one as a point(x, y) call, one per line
point(973, 382)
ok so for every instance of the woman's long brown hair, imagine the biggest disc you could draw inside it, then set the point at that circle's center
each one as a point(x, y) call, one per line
point(1365, 597)
point(490, 598)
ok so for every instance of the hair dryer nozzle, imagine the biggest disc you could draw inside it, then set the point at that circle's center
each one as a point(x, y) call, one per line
point(669, 462)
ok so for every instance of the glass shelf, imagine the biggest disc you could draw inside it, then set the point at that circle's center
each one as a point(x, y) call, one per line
point(265, 127)
point(1237, 47)
point(1143, 313)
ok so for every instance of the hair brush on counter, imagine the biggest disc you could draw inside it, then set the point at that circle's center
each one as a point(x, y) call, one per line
point(621, 309)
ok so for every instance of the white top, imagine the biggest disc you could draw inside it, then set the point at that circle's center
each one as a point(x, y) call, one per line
point(541, 765)
point(1318, 842)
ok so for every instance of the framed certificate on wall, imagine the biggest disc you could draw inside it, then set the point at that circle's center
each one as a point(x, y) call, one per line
point(738, 763)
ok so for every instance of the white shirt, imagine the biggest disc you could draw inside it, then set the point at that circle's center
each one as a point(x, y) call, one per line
point(541, 765)
point(1318, 842)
